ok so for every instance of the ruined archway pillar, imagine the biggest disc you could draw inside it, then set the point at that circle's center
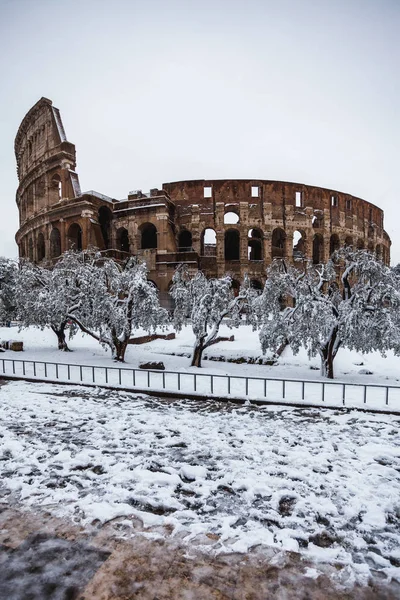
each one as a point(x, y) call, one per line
point(288, 247)
point(267, 248)
point(63, 235)
point(220, 239)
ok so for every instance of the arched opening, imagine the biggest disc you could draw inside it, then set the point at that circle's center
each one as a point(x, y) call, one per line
point(148, 236)
point(208, 243)
point(378, 252)
point(348, 242)
point(122, 239)
point(299, 245)
point(256, 285)
point(360, 244)
point(74, 237)
point(370, 246)
point(278, 243)
point(184, 241)
point(40, 247)
point(55, 243)
point(57, 185)
point(232, 244)
point(254, 245)
point(318, 220)
point(105, 218)
point(30, 249)
point(235, 286)
point(334, 243)
point(231, 218)
point(318, 249)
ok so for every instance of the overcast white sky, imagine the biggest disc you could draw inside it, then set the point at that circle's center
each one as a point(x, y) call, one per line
point(152, 91)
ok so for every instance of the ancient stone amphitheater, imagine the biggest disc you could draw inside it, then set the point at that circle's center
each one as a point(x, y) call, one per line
point(219, 226)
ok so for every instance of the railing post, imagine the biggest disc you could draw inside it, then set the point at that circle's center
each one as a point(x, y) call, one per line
point(93, 377)
point(283, 388)
point(212, 384)
point(45, 369)
point(365, 394)
point(247, 386)
point(323, 391)
point(80, 371)
point(265, 388)
point(195, 382)
point(179, 381)
point(23, 368)
point(148, 379)
point(68, 372)
point(387, 396)
point(119, 376)
point(134, 377)
point(344, 394)
point(163, 380)
point(34, 368)
point(106, 374)
point(4, 370)
point(56, 370)
point(13, 366)
point(229, 384)
point(302, 390)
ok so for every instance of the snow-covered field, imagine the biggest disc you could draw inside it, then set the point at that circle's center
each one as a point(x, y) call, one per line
point(319, 482)
point(350, 367)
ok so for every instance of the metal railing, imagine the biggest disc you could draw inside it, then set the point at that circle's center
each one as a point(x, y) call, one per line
point(260, 389)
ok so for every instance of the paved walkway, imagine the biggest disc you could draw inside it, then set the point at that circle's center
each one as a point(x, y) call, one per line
point(43, 558)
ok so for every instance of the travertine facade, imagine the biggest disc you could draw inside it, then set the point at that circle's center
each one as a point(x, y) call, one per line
point(219, 226)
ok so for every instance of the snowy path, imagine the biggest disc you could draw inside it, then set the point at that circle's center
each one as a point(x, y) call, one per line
point(317, 482)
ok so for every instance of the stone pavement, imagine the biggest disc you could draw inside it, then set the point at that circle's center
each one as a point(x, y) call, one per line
point(44, 558)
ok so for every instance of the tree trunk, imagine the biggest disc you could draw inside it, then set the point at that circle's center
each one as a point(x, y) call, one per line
point(197, 354)
point(119, 350)
point(328, 353)
point(62, 342)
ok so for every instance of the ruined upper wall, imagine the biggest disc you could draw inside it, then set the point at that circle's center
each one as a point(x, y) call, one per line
point(40, 135)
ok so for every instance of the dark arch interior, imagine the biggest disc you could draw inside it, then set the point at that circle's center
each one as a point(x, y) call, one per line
point(278, 243)
point(55, 243)
point(105, 218)
point(318, 249)
point(334, 243)
point(123, 240)
point(232, 244)
point(149, 236)
point(185, 241)
point(75, 237)
point(40, 247)
point(256, 284)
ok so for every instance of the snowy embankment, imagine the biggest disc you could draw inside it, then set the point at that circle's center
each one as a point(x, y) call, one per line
point(350, 367)
point(321, 483)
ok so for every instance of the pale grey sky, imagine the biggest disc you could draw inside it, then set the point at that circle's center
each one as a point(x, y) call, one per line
point(152, 91)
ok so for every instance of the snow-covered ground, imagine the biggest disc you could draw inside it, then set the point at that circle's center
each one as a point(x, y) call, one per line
point(319, 482)
point(350, 367)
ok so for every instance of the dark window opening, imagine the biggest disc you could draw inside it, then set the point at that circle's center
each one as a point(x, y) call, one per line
point(105, 218)
point(232, 244)
point(75, 237)
point(348, 242)
point(334, 201)
point(278, 243)
point(185, 241)
point(334, 243)
point(123, 240)
point(318, 249)
point(55, 243)
point(40, 247)
point(149, 236)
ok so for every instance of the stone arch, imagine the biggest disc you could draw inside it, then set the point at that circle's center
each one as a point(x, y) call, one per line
point(231, 216)
point(348, 242)
point(318, 249)
point(255, 244)
point(208, 246)
point(105, 217)
point(55, 243)
point(299, 245)
point(122, 239)
point(278, 243)
point(235, 286)
point(318, 220)
point(74, 237)
point(360, 244)
point(378, 251)
point(40, 247)
point(232, 244)
point(148, 233)
point(371, 246)
point(334, 243)
point(185, 241)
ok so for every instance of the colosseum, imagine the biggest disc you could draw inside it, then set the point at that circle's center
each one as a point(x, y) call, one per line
point(218, 226)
